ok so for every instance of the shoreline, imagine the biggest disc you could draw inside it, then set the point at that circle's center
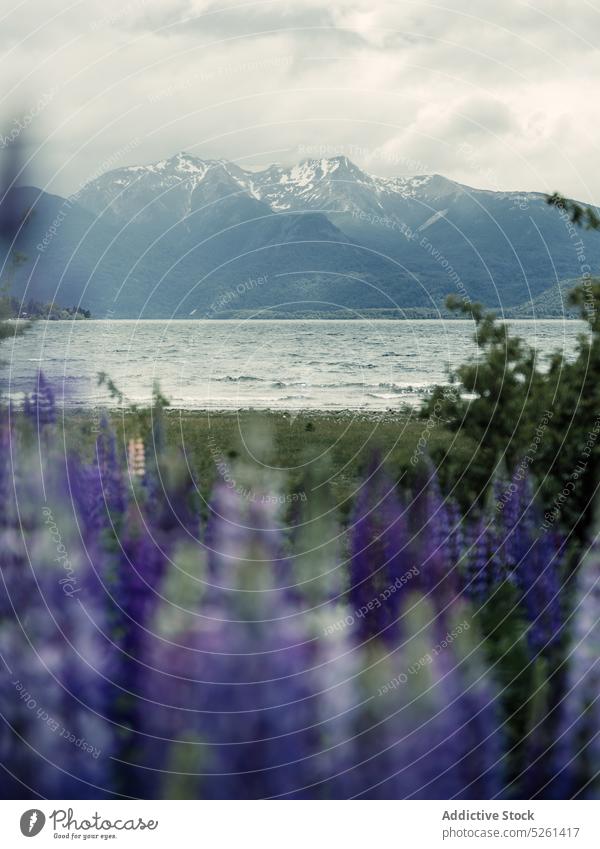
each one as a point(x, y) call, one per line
point(207, 412)
point(434, 319)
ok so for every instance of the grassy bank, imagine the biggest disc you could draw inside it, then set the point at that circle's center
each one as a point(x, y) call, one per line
point(287, 452)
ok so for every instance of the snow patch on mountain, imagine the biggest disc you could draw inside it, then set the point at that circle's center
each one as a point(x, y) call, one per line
point(183, 183)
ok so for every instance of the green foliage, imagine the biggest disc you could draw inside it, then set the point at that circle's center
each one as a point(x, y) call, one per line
point(520, 413)
point(583, 216)
point(499, 400)
point(111, 387)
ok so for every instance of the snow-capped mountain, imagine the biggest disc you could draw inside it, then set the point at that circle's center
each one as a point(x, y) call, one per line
point(184, 183)
point(168, 189)
point(325, 184)
point(339, 186)
point(183, 234)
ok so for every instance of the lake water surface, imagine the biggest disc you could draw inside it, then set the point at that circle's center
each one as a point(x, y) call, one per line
point(327, 365)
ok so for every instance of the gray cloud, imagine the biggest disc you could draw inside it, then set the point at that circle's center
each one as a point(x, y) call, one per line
point(502, 96)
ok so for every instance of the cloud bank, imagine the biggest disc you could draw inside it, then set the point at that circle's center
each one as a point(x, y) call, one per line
point(499, 97)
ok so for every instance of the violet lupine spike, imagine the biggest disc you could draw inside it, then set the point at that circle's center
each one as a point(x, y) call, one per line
point(507, 533)
point(497, 572)
point(456, 541)
point(475, 735)
point(53, 692)
point(532, 562)
point(548, 750)
point(476, 580)
point(131, 576)
point(245, 554)
point(241, 694)
point(235, 665)
point(138, 576)
point(471, 754)
point(87, 493)
point(245, 694)
point(52, 699)
point(433, 543)
point(135, 587)
point(172, 494)
point(379, 561)
point(6, 480)
point(434, 736)
point(538, 577)
point(515, 526)
point(576, 760)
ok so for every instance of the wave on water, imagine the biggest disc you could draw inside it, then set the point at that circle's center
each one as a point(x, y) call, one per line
point(242, 378)
point(343, 364)
point(343, 385)
point(255, 369)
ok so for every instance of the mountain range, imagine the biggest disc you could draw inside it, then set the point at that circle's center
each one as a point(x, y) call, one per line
point(206, 238)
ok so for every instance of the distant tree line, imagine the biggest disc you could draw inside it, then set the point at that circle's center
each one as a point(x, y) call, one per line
point(11, 307)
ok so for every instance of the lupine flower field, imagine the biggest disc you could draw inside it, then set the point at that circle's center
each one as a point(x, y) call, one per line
point(153, 645)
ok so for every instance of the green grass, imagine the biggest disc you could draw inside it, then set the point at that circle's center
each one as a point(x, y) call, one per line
point(282, 451)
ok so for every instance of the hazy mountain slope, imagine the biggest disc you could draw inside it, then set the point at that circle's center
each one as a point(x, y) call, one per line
point(208, 259)
point(186, 234)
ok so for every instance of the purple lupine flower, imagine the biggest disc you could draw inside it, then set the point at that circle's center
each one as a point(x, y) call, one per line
point(53, 697)
point(433, 522)
point(138, 576)
point(432, 731)
point(476, 573)
point(538, 577)
point(130, 573)
point(172, 494)
point(88, 495)
point(379, 561)
point(472, 751)
point(65, 742)
point(245, 550)
point(132, 589)
point(532, 562)
point(240, 700)
point(236, 689)
point(514, 526)
point(6, 480)
point(245, 589)
point(456, 538)
point(549, 752)
point(576, 760)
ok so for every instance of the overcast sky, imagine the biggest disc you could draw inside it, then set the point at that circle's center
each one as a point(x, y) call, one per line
point(495, 95)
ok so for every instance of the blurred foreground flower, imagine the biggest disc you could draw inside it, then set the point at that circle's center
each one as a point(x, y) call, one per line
point(147, 654)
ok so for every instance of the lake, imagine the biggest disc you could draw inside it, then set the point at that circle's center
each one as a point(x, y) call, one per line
point(228, 365)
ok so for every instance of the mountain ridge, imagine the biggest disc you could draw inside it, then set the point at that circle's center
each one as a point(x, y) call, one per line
point(175, 236)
